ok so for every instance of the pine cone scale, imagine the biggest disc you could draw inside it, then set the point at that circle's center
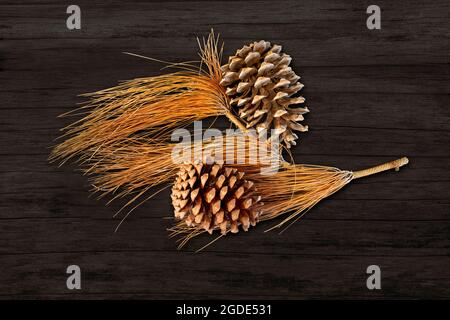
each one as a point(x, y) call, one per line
point(218, 198)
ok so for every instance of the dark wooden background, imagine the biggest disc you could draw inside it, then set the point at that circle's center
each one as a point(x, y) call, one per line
point(374, 96)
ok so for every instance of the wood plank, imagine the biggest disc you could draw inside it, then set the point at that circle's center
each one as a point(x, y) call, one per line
point(224, 276)
point(307, 237)
point(407, 34)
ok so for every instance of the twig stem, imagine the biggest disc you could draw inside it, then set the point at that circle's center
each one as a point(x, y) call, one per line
point(236, 121)
point(396, 164)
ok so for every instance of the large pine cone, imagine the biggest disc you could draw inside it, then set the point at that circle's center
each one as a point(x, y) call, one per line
point(214, 197)
point(261, 84)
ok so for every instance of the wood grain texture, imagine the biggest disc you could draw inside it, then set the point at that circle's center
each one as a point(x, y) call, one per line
point(374, 96)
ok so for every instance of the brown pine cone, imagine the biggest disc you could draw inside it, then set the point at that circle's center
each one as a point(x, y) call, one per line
point(214, 197)
point(261, 84)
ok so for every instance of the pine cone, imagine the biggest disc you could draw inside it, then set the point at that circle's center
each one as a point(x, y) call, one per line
point(214, 197)
point(261, 84)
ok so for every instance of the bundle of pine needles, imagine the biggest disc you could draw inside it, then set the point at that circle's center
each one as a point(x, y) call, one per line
point(145, 110)
point(294, 189)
